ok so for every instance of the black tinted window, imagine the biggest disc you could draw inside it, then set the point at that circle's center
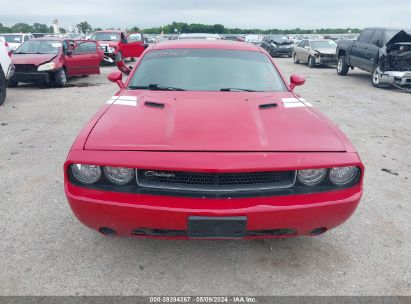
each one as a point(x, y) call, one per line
point(85, 47)
point(366, 36)
point(377, 38)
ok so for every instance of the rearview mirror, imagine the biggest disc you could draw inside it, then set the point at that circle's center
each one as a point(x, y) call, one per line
point(296, 80)
point(116, 77)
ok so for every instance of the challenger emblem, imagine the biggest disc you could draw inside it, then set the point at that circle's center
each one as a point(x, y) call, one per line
point(158, 174)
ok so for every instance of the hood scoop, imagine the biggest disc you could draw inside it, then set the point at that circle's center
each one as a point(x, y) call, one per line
point(267, 106)
point(152, 104)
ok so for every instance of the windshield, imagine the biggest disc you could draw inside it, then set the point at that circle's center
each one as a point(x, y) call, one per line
point(134, 37)
point(280, 39)
point(105, 36)
point(390, 33)
point(39, 47)
point(207, 70)
point(323, 44)
point(12, 38)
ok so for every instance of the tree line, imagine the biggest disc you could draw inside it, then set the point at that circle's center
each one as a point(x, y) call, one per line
point(176, 27)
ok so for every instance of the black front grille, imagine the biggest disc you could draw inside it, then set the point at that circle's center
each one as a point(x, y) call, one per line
point(25, 68)
point(198, 181)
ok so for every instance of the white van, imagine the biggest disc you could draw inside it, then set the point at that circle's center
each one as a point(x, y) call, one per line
point(6, 69)
point(16, 39)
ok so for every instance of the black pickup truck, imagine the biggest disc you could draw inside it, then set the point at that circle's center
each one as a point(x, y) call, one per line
point(386, 53)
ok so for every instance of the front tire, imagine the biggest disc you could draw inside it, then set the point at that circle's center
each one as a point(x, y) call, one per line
point(60, 78)
point(342, 66)
point(376, 79)
point(311, 62)
point(296, 60)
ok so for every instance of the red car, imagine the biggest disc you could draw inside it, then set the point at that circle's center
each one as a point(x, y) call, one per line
point(53, 60)
point(206, 139)
point(117, 43)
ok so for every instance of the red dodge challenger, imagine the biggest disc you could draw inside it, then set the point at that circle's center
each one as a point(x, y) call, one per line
point(206, 140)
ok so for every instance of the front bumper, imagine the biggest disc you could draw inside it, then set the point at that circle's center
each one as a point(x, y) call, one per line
point(322, 60)
point(125, 212)
point(38, 77)
point(167, 217)
point(396, 77)
point(281, 51)
point(10, 72)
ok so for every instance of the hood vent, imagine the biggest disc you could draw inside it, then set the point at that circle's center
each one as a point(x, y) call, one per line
point(152, 104)
point(267, 106)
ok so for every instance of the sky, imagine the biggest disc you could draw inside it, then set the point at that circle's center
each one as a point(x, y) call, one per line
point(262, 14)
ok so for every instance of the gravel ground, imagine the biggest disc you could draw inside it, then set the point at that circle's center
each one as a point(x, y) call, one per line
point(46, 251)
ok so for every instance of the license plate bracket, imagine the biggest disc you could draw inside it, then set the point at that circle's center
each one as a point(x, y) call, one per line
point(233, 227)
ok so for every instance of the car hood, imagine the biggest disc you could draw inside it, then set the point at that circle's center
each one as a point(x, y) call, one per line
point(36, 59)
point(211, 121)
point(401, 36)
point(283, 42)
point(109, 43)
point(13, 46)
point(330, 51)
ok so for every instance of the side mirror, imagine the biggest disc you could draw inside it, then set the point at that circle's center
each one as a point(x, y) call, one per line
point(307, 47)
point(296, 80)
point(69, 52)
point(116, 77)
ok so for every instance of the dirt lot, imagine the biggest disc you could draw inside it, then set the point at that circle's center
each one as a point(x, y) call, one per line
point(46, 251)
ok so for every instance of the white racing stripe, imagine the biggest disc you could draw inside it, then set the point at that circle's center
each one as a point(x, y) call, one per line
point(123, 100)
point(112, 99)
point(295, 103)
point(126, 102)
point(127, 97)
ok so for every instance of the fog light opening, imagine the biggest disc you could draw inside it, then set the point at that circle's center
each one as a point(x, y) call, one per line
point(107, 231)
point(318, 231)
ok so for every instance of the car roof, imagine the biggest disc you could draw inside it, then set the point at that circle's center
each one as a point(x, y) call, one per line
point(50, 38)
point(108, 31)
point(7, 34)
point(205, 44)
point(314, 40)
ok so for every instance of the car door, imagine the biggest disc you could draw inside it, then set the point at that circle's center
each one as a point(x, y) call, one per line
point(359, 50)
point(84, 58)
point(298, 50)
point(267, 43)
point(373, 50)
point(305, 52)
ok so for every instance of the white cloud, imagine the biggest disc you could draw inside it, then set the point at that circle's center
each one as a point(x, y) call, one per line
point(231, 13)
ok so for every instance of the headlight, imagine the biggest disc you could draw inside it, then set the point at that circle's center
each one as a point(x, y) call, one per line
point(311, 177)
point(86, 174)
point(343, 175)
point(118, 175)
point(47, 66)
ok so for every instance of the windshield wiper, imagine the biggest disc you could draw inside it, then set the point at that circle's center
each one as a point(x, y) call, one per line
point(236, 89)
point(155, 87)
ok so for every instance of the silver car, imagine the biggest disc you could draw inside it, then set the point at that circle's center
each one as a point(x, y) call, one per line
point(315, 52)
